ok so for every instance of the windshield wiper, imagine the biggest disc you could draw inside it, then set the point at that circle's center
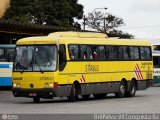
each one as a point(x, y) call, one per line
point(22, 70)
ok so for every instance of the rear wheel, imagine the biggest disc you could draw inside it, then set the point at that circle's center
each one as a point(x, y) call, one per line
point(85, 96)
point(36, 100)
point(99, 95)
point(132, 89)
point(122, 90)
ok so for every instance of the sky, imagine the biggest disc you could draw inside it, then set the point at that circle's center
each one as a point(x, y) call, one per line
point(141, 17)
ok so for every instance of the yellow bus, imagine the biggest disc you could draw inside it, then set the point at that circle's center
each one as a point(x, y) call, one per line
point(73, 64)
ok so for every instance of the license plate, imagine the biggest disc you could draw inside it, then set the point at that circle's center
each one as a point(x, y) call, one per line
point(32, 94)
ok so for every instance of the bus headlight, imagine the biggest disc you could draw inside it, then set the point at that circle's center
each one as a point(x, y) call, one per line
point(16, 85)
point(48, 85)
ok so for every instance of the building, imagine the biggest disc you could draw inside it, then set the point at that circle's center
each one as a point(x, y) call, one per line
point(10, 32)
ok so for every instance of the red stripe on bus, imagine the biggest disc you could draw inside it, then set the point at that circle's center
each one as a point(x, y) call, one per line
point(83, 78)
point(140, 72)
point(136, 72)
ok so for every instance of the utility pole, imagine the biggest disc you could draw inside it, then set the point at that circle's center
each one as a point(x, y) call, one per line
point(84, 22)
point(104, 25)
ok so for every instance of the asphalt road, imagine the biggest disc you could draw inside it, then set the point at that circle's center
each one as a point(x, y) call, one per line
point(146, 101)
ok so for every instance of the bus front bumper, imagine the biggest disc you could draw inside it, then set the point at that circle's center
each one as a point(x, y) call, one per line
point(41, 93)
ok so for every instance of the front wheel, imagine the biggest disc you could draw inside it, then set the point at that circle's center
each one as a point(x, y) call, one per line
point(73, 94)
point(85, 96)
point(132, 89)
point(36, 100)
point(99, 95)
point(122, 90)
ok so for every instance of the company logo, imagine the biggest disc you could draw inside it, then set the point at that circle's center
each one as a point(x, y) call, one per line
point(31, 85)
point(91, 68)
point(9, 117)
point(4, 116)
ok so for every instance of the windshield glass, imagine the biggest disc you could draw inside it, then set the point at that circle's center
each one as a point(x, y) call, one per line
point(45, 58)
point(35, 58)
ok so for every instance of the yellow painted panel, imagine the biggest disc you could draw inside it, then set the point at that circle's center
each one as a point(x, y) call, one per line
point(85, 72)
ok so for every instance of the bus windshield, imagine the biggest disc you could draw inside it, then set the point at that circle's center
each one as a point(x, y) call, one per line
point(35, 58)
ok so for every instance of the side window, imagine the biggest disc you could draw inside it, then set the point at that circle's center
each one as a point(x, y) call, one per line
point(134, 53)
point(123, 53)
point(99, 52)
point(147, 53)
point(126, 52)
point(142, 52)
point(111, 52)
point(136, 50)
point(62, 57)
point(2, 55)
point(156, 61)
point(10, 55)
point(86, 52)
point(73, 52)
point(120, 53)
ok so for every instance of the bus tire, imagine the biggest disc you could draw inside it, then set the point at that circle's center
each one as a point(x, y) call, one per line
point(99, 95)
point(122, 90)
point(85, 96)
point(73, 94)
point(132, 89)
point(36, 99)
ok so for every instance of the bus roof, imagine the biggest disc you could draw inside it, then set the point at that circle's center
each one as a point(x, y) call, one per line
point(78, 34)
point(79, 38)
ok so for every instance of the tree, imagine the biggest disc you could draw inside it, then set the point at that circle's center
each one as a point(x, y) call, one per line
point(120, 34)
point(106, 23)
point(45, 12)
